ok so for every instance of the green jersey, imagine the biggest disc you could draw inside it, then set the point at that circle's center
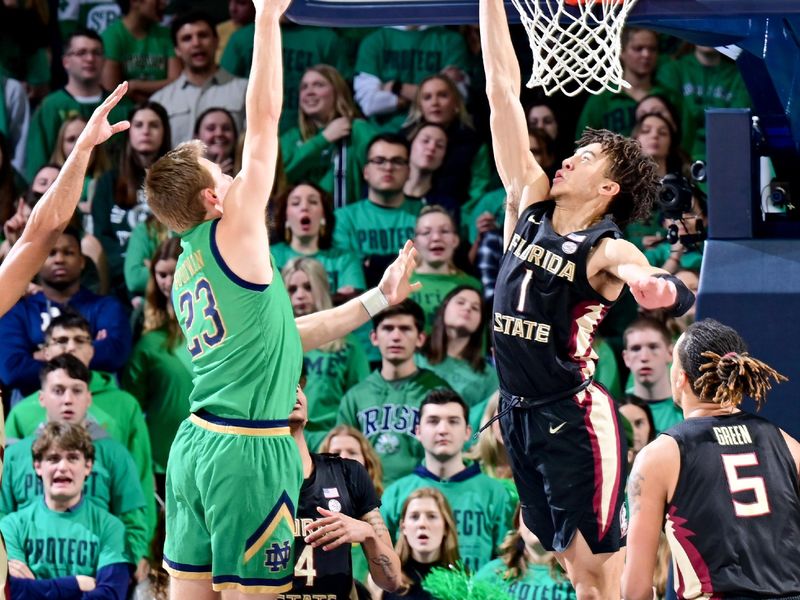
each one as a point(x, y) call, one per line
point(435, 286)
point(112, 485)
point(698, 88)
point(160, 378)
point(342, 266)
point(328, 376)
point(387, 413)
point(141, 58)
point(481, 506)
point(54, 109)
point(336, 167)
point(245, 347)
point(409, 56)
point(301, 47)
point(368, 229)
point(538, 582)
point(53, 544)
point(473, 386)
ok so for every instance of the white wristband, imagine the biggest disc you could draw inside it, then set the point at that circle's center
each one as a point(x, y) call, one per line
point(374, 301)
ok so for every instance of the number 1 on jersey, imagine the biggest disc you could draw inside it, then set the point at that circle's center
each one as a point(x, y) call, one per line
point(523, 289)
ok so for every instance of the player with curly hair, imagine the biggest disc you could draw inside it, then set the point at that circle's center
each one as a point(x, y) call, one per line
point(565, 264)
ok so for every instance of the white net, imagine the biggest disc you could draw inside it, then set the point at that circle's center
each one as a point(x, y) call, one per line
point(576, 45)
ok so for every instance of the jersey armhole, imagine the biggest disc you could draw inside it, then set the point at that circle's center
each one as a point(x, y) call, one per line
point(255, 287)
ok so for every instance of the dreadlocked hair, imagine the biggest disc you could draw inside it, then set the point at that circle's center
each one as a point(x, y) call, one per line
point(720, 369)
point(635, 172)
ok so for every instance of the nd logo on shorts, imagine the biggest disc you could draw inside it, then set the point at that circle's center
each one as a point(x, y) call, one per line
point(277, 546)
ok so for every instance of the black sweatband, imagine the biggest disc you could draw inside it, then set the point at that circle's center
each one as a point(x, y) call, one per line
point(397, 87)
point(685, 299)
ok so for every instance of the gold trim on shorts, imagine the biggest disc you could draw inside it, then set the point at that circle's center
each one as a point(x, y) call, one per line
point(236, 430)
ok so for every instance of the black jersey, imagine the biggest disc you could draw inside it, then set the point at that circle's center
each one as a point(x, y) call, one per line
point(339, 485)
point(733, 523)
point(545, 312)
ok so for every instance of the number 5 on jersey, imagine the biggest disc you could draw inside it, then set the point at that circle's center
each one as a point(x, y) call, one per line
point(210, 330)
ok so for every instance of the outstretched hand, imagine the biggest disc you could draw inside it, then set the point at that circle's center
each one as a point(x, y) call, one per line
point(654, 292)
point(99, 129)
point(395, 281)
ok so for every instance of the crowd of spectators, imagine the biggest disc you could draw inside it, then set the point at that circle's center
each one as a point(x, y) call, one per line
point(383, 139)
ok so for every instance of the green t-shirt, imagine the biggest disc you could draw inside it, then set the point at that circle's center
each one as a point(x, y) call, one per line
point(318, 160)
point(142, 244)
point(435, 287)
point(409, 56)
point(387, 413)
point(53, 544)
point(146, 58)
point(367, 229)
point(342, 266)
point(493, 202)
point(89, 14)
point(606, 369)
point(691, 259)
point(537, 583)
point(245, 347)
point(615, 112)
point(328, 376)
point(665, 414)
point(481, 506)
point(112, 485)
point(698, 88)
point(160, 378)
point(54, 109)
point(473, 386)
point(302, 47)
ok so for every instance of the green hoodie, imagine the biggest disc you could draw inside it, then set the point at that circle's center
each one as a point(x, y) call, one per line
point(114, 410)
point(112, 485)
point(387, 413)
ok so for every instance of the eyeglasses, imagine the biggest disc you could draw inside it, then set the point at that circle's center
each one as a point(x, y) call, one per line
point(78, 340)
point(429, 232)
point(380, 161)
point(84, 53)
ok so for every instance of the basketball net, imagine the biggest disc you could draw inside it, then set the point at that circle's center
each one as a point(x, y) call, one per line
point(575, 47)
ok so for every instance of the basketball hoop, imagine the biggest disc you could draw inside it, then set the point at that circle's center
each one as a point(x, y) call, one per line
point(575, 44)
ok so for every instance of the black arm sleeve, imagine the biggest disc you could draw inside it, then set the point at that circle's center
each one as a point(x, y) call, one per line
point(685, 296)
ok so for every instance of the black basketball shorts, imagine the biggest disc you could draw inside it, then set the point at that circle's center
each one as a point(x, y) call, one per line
point(569, 464)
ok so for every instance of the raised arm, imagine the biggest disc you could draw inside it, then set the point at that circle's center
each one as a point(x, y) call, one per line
point(524, 180)
point(325, 326)
point(242, 233)
point(52, 213)
point(247, 199)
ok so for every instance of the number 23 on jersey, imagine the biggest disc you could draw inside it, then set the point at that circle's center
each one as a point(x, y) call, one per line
point(202, 322)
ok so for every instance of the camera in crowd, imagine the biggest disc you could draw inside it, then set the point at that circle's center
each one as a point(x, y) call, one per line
point(675, 199)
